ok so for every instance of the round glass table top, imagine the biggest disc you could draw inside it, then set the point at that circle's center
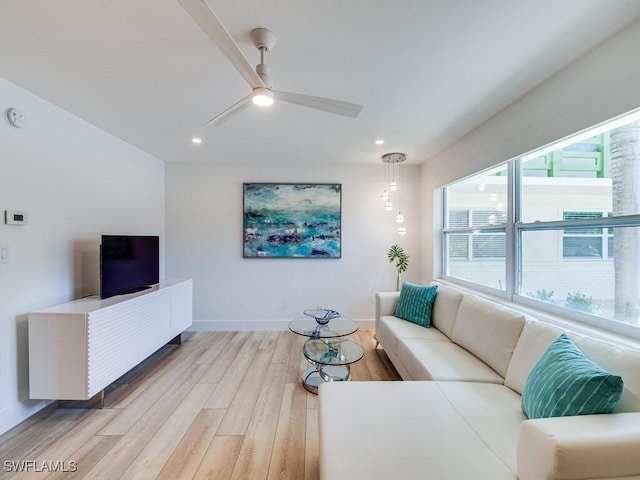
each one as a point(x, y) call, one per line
point(337, 327)
point(332, 352)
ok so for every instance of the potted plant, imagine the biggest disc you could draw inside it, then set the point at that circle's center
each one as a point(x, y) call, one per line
point(397, 254)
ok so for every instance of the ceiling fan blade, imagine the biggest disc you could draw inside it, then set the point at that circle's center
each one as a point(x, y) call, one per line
point(234, 109)
point(201, 13)
point(345, 109)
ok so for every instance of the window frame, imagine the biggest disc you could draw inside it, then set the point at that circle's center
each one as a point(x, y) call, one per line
point(514, 229)
point(470, 231)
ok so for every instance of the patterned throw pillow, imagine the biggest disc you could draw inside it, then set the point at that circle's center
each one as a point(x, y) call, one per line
point(564, 382)
point(416, 302)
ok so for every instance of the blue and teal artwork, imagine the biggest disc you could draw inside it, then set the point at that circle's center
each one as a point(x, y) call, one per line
point(286, 220)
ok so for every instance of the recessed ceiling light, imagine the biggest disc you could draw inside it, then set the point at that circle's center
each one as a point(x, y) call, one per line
point(196, 140)
point(379, 141)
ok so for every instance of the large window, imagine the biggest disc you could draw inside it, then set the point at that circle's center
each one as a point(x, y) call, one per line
point(567, 238)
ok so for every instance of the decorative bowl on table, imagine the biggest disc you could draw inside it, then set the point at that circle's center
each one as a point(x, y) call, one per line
point(322, 315)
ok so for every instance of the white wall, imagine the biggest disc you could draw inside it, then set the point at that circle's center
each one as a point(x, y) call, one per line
point(204, 242)
point(76, 182)
point(597, 87)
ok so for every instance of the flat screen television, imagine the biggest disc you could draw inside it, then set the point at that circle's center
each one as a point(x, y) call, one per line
point(128, 263)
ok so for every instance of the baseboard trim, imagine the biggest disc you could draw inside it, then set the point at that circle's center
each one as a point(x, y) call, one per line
point(15, 414)
point(256, 325)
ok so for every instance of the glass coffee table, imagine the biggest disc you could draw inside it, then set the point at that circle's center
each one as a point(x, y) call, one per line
point(330, 355)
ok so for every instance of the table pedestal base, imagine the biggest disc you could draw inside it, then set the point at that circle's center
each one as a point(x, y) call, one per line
point(313, 377)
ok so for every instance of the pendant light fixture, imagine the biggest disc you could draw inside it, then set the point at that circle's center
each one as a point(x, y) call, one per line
point(393, 185)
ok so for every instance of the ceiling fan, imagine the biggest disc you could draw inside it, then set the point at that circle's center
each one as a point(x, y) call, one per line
point(259, 79)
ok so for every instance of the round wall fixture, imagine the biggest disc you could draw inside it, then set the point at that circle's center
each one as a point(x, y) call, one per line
point(16, 117)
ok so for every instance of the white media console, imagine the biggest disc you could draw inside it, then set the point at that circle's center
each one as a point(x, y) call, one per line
point(78, 348)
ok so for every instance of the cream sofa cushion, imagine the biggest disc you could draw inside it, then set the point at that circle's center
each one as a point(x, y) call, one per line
point(431, 360)
point(493, 412)
point(400, 431)
point(391, 329)
point(445, 309)
point(534, 340)
point(488, 330)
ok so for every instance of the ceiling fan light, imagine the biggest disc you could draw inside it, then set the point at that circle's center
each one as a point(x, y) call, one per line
point(262, 97)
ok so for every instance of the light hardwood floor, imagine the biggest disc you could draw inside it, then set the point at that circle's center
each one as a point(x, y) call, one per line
point(223, 405)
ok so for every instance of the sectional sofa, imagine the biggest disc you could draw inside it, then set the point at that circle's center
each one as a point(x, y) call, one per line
point(458, 415)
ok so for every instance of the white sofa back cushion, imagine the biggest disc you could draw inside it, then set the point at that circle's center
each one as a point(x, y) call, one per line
point(488, 330)
point(445, 309)
point(534, 340)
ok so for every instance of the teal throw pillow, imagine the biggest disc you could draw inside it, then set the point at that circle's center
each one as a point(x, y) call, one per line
point(564, 382)
point(416, 302)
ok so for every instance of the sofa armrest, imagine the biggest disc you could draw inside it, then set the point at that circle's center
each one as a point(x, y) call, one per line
point(580, 447)
point(385, 304)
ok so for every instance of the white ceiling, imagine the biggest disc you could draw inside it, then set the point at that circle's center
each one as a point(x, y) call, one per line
point(426, 71)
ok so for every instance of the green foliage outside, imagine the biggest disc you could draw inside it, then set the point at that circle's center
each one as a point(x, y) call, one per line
point(581, 302)
point(542, 295)
point(575, 300)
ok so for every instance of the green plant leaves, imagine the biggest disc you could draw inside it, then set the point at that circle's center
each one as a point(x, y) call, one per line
point(396, 253)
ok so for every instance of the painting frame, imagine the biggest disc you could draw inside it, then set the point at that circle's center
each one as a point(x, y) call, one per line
point(292, 220)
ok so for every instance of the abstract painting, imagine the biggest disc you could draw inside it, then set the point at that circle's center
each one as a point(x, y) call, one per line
point(292, 220)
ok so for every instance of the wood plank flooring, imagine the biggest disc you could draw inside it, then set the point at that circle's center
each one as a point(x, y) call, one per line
point(223, 405)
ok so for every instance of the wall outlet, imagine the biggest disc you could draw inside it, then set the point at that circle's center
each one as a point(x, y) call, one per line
point(4, 254)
